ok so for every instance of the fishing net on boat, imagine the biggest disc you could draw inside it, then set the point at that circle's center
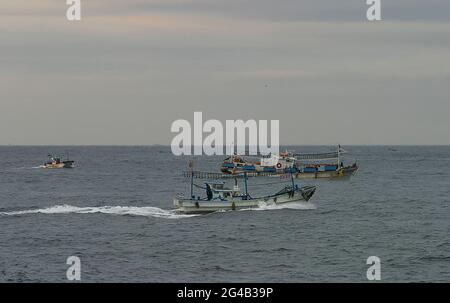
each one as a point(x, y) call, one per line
point(321, 156)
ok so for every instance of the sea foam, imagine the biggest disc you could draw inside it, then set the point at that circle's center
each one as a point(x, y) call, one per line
point(111, 210)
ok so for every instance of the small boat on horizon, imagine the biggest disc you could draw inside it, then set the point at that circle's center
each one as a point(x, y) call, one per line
point(221, 198)
point(56, 162)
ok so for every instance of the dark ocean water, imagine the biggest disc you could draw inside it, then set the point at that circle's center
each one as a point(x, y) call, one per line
point(113, 211)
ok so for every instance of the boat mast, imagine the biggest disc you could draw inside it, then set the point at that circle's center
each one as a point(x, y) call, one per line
point(339, 156)
point(292, 181)
point(245, 186)
point(192, 184)
point(191, 166)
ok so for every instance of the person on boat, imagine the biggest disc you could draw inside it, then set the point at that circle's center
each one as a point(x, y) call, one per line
point(209, 193)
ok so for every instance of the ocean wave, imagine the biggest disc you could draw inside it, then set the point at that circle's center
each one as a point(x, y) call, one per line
point(111, 210)
point(26, 167)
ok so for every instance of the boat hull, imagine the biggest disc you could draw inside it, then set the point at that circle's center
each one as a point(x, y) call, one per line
point(65, 164)
point(345, 172)
point(191, 206)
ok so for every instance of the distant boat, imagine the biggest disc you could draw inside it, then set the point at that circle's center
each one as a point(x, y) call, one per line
point(56, 162)
point(324, 165)
point(221, 198)
point(302, 166)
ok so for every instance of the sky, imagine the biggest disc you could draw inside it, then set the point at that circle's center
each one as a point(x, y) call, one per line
point(129, 68)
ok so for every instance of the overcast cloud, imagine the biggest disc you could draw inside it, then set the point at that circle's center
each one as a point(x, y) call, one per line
point(128, 69)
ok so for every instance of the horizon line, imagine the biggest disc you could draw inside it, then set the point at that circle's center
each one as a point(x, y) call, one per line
point(167, 145)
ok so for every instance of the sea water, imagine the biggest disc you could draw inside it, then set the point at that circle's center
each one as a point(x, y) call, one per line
point(114, 211)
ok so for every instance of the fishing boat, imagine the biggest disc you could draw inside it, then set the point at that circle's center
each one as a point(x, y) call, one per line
point(219, 197)
point(303, 166)
point(56, 162)
point(324, 165)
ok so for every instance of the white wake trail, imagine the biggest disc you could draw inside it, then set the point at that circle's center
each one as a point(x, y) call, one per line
point(292, 205)
point(27, 167)
point(111, 210)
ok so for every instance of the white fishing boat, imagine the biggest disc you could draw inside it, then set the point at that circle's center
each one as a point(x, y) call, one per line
point(56, 162)
point(221, 198)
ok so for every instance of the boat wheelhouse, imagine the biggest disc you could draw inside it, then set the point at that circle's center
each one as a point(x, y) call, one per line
point(272, 163)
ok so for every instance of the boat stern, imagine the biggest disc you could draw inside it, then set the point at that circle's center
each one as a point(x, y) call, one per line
point(68, 164)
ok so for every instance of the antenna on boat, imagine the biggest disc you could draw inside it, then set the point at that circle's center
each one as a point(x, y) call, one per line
point(292, 180)
point(191, 167)
point(338, 155)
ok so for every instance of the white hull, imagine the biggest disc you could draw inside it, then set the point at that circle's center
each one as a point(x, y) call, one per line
point(191, 206)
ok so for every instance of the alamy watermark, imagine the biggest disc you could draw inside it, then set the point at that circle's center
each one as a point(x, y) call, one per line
point(73, 12)
point(73, 273)
point(374, 11)
point(374, 271)
point(220, 140)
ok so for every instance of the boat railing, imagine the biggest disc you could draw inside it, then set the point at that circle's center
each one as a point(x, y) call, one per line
point(216, 176)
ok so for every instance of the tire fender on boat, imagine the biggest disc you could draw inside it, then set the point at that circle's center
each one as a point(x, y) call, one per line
point(197, 205)
point(279, 165)
point(233, 206)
